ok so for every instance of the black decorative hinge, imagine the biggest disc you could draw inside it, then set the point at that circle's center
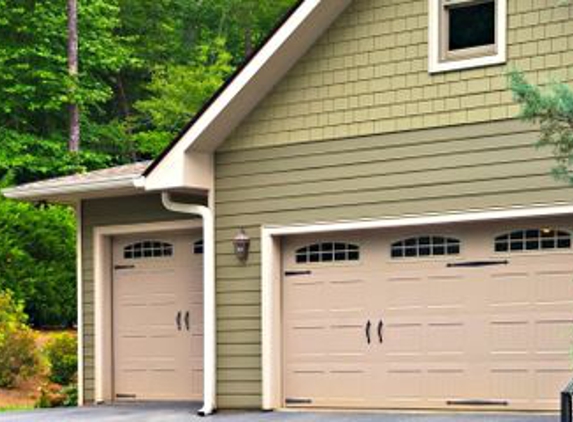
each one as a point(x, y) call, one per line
point(295, 273)
point(477, 403)
point(477, 264)
point(124, 267)
point(125, 396)
point(293, 401)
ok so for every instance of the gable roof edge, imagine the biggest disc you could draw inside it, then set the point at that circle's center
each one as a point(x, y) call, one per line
point(268, 65)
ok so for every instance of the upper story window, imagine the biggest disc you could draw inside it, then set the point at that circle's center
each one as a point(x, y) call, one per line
point(148, 249)
point(467, 34)
point(328, 252)
point(424, 246)
point(533, 240)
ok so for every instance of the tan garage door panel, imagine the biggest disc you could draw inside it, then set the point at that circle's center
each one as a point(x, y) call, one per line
point(158, 318)
point(408, 326)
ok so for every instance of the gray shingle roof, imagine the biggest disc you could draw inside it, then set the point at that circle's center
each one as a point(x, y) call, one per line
point(110, 178)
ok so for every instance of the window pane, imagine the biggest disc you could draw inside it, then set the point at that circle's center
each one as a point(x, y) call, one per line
point(548, 244)
point(516, 246)
point(340, 256)
point(501, 247)
point(453, 249)
point(327, 257)
point(532, 245)
point(472, 25)
point(353, 256)
point(397, 252)
point(410, 252)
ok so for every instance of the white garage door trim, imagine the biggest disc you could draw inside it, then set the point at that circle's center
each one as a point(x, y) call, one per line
point(271, 273)
point(103, 359)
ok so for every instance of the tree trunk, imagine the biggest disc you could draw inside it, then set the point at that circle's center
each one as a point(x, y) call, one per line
point(74, 110)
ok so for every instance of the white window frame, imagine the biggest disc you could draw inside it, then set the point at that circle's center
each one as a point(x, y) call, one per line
point(435, 41)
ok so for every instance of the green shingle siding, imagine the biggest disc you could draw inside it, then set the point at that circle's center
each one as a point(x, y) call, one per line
point(368, 75)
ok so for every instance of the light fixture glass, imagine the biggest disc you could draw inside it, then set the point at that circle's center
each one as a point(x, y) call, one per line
point(241, 245)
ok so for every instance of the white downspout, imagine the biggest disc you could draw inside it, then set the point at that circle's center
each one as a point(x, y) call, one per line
point(210, 328)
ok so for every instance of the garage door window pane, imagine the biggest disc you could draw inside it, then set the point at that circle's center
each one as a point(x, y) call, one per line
point(327, 252)
point(198, 247)
point(148, 249)
point(425, 246)
point(533, 240)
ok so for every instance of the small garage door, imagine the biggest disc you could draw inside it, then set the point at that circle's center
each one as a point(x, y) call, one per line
point(454, 317)
point(158, 317)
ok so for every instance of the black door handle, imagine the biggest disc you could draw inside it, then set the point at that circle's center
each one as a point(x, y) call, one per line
point(178, 320)
point(380, 331)
point(187, 320)
point(368, 326)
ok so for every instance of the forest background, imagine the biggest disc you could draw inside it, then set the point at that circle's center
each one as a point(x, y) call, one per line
point(145, 68)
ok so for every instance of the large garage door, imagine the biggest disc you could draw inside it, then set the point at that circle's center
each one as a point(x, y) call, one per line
point(158, 317)
point(466, 316)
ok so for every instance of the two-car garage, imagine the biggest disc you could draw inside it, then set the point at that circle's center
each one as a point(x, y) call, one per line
point(467, 315)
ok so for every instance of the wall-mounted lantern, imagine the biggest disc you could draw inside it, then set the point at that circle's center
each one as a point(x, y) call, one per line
point(242, 243)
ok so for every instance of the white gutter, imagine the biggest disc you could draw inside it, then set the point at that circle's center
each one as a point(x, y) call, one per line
point(210, 328)
point(123, 182)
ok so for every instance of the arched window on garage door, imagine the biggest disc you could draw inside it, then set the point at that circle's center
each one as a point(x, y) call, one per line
point(198, 247)
point(148, 249)
point(425, 246)
point(328, 252)
point(533, 240)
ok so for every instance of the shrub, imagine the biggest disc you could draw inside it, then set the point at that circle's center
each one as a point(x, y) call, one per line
point(62, 354)
point(53, 395)
point(19, 357)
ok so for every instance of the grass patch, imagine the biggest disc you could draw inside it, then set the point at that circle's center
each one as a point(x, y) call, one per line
point(15, 408)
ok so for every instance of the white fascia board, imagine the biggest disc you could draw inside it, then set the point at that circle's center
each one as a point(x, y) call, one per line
point(250, 86)
point(70, 190)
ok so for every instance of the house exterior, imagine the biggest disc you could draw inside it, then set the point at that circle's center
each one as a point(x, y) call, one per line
point(409, 248)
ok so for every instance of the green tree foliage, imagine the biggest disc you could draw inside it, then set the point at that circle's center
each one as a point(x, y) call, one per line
point(62, 355)
point(34, 83)
point(37, 260)
point(146, 67)
point(178, 92)
point(552, 109)
point(20, 359)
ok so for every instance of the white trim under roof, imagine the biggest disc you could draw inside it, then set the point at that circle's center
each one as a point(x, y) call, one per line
point(301, 30)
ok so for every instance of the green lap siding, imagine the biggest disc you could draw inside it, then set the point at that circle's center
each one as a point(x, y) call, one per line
point(470, 167)
point(109, 212)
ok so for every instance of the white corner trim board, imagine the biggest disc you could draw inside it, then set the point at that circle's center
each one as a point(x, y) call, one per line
point(210, 323)
point(271, 271)
point(80, 307)
point(102, 295)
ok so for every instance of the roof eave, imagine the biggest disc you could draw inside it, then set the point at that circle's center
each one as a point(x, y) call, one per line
point(73, 191)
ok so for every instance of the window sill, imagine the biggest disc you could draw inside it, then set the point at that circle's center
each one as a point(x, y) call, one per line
point(440, 67)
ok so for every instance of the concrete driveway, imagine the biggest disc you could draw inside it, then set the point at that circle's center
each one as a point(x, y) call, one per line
point(187, 413)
